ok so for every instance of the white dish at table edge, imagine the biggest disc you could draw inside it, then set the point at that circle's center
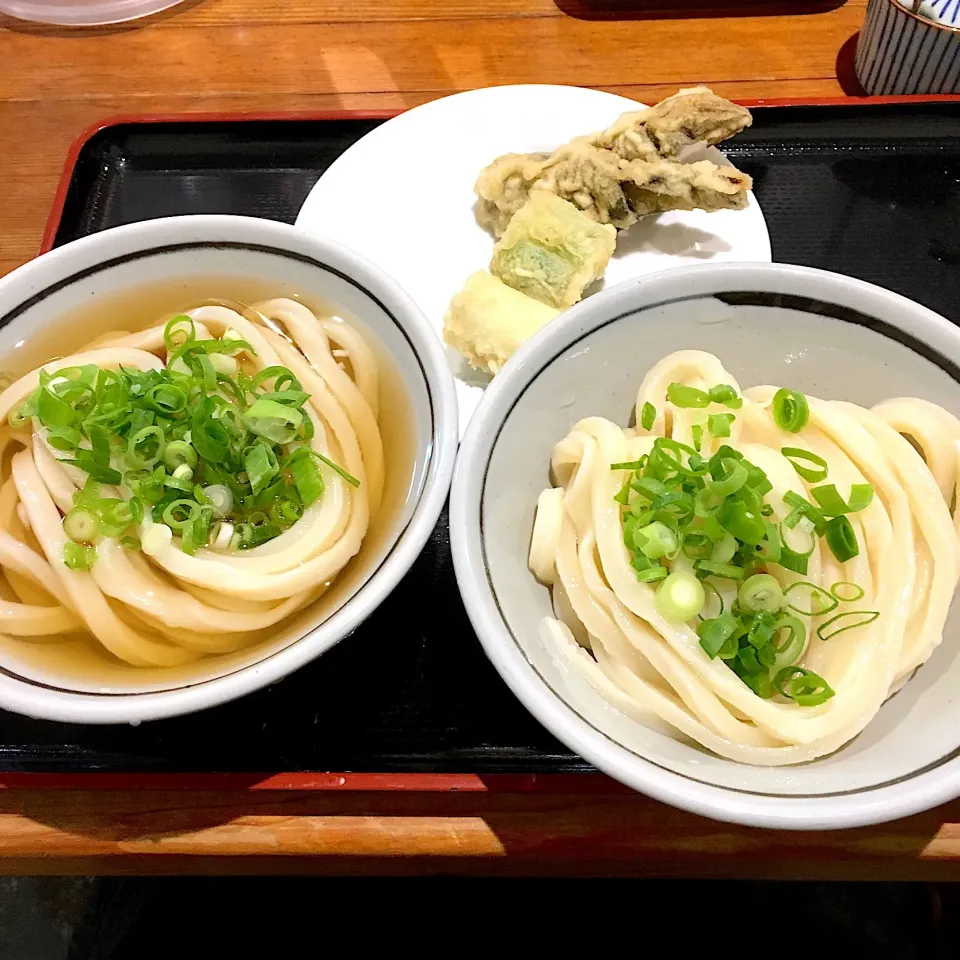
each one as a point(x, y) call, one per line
point(431, 251)
point(571, 345)
point(180, 248)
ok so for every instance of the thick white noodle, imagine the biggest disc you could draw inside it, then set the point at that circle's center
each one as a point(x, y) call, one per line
point(606, 623)
point(171, 608)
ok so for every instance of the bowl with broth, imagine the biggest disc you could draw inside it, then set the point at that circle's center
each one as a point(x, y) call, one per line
point(224, 442)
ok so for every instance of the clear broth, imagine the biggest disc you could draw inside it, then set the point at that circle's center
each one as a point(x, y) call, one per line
point(79, 662)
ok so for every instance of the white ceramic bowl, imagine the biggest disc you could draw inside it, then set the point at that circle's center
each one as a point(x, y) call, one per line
point(226, 257)
point(769, 323)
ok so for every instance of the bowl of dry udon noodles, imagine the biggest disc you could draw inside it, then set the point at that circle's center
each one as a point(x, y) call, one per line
point(705, 526)
point(223, 443)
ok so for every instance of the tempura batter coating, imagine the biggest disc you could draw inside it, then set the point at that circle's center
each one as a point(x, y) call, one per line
point(691, 116)
point(487, 321)
point(551, 251)
point(629, 170)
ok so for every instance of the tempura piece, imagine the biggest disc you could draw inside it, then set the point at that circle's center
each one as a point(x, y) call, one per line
point(606, 188)
point(696, 115)
point(487, 321)
point(628, 171)
point(665, 185)
point(551, 251)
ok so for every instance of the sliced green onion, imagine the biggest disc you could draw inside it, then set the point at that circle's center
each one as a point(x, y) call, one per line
point(260, 464)
point(696, 434)
point(760, 684)
point(282, 378)
point(178, 331)
point(771, 548)
point(336, 468)
point(714, 633)
point(629, 464)
point(803, 686)
point(719, 424)
point(814, 601)
point(833, 505)
point(846, 591)
point(64, 438)
point(738, 519)
point(842, 539)
point(725, 394)
point(669, 453)
point(115, 516)
point(166, 398)
point(788, 646)
point(734, 477)
point(725, 550)
point(648, 414)
point(710, 568)
point(308, 481)
point(178, 453)
point(760, 629)
point(848, 620)
point(697, 546)
point(54, 412)
point(131, 543)
point(656, 540)
point(220, 498)
point(275, 421)
point(813, 474)
point(750, 663)
point(707, 503)
point(81, 525)
point(761, 593)
point(790, 410)
point(180, 513)
point(208, 436)
point(680, 597)
point(803, 508)
point(79, 556)
point(652, 573)
point(181, 484)
point(285, 512)
point(680, 395)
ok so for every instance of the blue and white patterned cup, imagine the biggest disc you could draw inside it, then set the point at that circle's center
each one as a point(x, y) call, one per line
point(903, 52)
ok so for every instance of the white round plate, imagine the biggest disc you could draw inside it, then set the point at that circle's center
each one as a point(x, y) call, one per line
point(403, 197)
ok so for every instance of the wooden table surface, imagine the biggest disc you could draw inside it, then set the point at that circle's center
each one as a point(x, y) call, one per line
point(303, 55)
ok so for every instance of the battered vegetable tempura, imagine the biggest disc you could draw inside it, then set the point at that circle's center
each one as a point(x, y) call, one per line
point(551, 251)
point(487, 321)
point(628, 171)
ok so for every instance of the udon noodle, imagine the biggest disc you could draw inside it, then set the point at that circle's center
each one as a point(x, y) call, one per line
point(740, 690)
point(183, 555)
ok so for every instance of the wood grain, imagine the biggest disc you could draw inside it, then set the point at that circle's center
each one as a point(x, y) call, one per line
point(319, 55)
point(440, 56)
point(66, 831)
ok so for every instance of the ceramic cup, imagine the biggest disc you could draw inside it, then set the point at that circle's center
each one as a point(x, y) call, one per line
point(901, 52)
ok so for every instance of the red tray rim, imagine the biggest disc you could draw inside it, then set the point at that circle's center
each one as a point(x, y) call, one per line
point(414, 782)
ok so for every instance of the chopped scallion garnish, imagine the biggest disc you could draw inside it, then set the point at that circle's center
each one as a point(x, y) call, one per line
point(846, 621)
point(790, 410)
point(648, 414)
point(680, 395)
point(841, 539)
point(812, 474)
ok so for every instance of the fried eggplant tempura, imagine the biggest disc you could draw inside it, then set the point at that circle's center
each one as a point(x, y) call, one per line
point(629, 170)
